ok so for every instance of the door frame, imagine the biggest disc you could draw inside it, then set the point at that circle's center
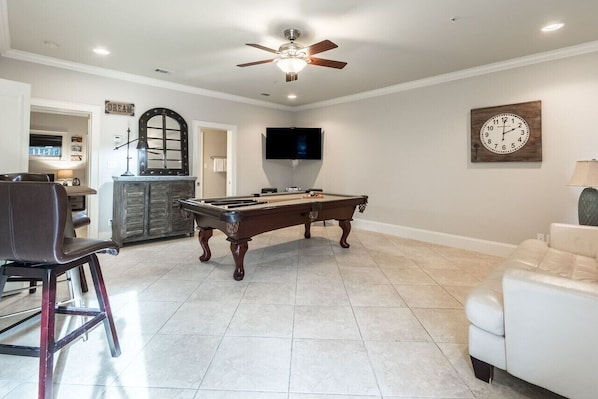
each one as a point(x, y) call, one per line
point(231, 154)
point(94, 113)
point(15, 98)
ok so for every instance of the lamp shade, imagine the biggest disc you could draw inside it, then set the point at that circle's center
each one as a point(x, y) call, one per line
point(63, 174)
point(585, 174)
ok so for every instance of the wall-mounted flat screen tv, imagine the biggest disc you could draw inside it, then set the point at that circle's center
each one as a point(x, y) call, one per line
point(293, 143)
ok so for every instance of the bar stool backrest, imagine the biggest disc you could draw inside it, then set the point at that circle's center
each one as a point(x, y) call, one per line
point(24, 176)
point(32, 221)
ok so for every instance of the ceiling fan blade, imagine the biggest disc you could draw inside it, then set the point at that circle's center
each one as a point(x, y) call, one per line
point(256, 63)
point(327, 63)
point(262, 47)
point(324, 45)
point(292, 76)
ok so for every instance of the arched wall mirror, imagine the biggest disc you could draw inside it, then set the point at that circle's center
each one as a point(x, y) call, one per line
point(164, 135)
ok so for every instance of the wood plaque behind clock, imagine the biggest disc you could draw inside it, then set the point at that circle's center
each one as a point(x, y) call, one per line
point(507, 133)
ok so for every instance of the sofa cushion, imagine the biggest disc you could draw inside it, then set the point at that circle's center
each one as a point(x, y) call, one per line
point(529, 253)
point(569, 265)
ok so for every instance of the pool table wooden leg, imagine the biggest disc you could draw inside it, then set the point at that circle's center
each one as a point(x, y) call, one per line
point(203, 237)
point(239, 248)
point(346, 226)
point(307, 230)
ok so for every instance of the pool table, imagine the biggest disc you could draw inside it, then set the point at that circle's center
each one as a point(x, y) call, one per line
point(241, 218)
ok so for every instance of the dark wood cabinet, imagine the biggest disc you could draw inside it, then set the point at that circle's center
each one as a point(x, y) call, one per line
point(145, 208)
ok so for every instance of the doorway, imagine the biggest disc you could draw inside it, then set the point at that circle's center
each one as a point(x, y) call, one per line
point(214, 158)
point(92, 114)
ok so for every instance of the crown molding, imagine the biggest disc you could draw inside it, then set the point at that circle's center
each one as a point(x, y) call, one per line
point(110, 73)
point(565, 52)
point(6, 51)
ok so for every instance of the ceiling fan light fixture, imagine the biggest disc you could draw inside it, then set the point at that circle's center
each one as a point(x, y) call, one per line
point(291, 65)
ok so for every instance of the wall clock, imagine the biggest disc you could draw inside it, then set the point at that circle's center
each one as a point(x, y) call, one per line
point(507, 133)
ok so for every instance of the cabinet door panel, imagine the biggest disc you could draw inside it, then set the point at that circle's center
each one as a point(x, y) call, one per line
point(158, 209)
point(181, 190)
point(133, 203)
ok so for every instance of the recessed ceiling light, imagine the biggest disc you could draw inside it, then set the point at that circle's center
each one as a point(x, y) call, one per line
point(101, 51)
point(553, 27)
point(292, 96)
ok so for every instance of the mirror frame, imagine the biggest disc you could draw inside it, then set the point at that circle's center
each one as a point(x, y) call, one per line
point(144, 170)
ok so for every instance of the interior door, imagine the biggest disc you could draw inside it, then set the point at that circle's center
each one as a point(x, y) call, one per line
point(15, 103)
point(198, 159)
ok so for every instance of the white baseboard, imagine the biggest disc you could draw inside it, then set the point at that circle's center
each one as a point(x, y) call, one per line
point(434, 237)
point(471, 244)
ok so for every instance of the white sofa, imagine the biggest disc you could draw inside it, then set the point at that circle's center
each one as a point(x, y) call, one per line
point(536, 314)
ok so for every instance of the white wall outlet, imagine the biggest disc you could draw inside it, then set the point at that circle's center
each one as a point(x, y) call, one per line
point(540, 236)
point(117, 138)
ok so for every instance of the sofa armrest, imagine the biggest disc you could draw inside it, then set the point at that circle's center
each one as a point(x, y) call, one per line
point(581, 240)
point(551, 329)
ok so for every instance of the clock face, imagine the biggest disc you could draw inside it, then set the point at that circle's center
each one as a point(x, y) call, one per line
point(504, 133)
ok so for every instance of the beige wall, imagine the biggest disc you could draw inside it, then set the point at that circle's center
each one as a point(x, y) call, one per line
point(74, 87)
point(409, 151)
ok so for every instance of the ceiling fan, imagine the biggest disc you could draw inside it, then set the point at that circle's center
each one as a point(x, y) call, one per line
point(293, 56)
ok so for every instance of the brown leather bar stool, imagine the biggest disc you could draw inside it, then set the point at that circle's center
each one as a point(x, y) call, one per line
point(33, 217)
point(24, 176)
point(80, 219)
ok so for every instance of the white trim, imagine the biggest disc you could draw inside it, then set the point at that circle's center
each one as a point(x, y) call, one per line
point(94, 112)
point(434, 237)
point(231, 152)
point(4, 29)
point(129, 77)
point(565, 52)
point(18, 100)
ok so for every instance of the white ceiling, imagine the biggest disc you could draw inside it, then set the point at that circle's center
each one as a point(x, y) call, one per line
point(384, 42)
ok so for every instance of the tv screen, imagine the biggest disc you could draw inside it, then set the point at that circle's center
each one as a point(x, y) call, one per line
point(293, 143)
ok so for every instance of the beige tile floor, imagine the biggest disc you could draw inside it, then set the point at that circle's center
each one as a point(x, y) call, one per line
point(382, 319)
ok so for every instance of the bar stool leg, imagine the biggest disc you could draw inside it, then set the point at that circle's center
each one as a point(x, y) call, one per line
point(74, 284)
point(104, 304)
point(3, 278)
point(47, 338)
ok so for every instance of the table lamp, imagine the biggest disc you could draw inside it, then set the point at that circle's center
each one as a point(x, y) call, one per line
point(65, 175)
point(141, 145)
point(586, 175)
